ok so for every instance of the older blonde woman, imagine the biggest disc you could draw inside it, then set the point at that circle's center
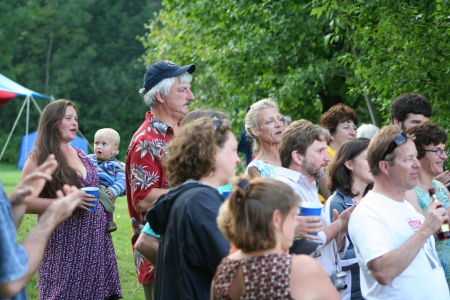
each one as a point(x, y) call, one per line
point(265, 124)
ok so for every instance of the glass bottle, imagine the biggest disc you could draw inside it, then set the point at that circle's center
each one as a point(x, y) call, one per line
point(444, 231)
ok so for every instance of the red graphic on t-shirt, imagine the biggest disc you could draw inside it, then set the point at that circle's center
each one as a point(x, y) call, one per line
point(415, 224)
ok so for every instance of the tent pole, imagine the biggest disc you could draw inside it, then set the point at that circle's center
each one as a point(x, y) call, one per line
point(37, 106)
point(12, 130)
point(27, 121)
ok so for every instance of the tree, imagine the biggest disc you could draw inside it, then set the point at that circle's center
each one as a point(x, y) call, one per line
point(395, 47)
point(85, 51)
point(249, 50)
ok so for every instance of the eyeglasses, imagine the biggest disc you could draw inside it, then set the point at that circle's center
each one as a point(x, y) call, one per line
point(399, 139)
point(439, 152)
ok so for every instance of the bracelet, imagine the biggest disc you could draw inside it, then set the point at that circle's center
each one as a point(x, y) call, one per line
point(339, 227)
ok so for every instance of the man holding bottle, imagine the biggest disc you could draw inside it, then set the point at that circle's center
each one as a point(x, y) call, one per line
point(394, 244)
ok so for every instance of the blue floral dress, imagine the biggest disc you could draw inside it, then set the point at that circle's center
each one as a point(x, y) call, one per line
point(442, 247)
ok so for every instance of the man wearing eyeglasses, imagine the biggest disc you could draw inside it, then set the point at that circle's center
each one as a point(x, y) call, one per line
point(394, 244)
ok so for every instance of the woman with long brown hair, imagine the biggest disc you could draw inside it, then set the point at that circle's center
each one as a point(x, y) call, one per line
point(79, 262)
point(350, 178)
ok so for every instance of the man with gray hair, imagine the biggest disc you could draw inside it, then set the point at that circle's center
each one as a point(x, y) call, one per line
point(167, 91)
point(394, 244)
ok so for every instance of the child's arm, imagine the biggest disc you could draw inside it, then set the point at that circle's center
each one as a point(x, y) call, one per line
point(118, 187)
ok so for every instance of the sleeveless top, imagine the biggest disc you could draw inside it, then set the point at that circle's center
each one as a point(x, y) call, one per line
point(79, 261)
point(442, 247)
point(266, 170)
point(265, 277)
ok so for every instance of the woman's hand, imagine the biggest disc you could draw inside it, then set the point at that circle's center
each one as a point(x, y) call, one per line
point(86, 201)
point(444, 177)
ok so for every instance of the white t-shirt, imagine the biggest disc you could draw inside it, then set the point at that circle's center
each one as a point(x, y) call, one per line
point(379, 225)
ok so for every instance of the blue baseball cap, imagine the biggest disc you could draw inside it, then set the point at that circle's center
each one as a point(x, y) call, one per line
point(161, 70)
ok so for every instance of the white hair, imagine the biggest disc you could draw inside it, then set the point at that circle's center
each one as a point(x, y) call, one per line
point(251, 118)
point(163, 87)
point(366, 131)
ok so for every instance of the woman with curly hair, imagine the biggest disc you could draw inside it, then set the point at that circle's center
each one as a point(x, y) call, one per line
point(431, 152)
point(260, 218)
point(340, 120)
point(202, 157)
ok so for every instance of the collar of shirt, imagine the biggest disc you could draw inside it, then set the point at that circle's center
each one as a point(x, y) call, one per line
point(299, 182)
point(158, 125)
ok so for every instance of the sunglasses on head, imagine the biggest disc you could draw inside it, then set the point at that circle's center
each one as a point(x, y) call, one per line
point(399, 139)
point(217, 123)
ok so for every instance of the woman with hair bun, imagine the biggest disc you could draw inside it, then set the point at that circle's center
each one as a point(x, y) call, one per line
point(259, 217)
point(202, 157)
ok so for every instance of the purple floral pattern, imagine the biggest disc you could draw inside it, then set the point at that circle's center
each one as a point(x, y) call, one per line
point(80, 262)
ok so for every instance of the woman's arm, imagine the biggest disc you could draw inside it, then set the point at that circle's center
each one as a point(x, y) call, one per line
point(39, 205)
point(253, 172)
point(309, 280)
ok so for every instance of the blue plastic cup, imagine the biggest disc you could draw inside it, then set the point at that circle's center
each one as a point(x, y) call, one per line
point(92, 191)
point(311, 209)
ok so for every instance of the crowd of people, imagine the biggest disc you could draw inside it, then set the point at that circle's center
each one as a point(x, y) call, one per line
point(195, 237)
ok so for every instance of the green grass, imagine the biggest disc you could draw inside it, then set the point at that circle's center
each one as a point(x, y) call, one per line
point(10, 176)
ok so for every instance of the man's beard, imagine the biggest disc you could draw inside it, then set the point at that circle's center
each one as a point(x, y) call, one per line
point(313, 170)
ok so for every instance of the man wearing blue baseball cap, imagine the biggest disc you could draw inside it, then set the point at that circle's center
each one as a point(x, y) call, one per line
point(167, 90)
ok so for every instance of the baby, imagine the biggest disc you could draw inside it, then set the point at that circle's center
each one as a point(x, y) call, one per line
point(111, 172)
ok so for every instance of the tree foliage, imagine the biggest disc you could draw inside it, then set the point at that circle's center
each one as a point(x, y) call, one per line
point(394, 47)
point(85, 51)
point(249, 50)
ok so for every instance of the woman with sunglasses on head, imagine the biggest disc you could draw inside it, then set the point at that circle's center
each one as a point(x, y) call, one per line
point(430, 144)
point(202, 157)
point(350, 178)
point(259, 217)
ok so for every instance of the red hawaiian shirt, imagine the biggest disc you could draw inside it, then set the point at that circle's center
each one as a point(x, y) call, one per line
point(145, 171)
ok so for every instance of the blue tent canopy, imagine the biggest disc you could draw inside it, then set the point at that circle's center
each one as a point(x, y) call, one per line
point(23, 154)
point(8, 85)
